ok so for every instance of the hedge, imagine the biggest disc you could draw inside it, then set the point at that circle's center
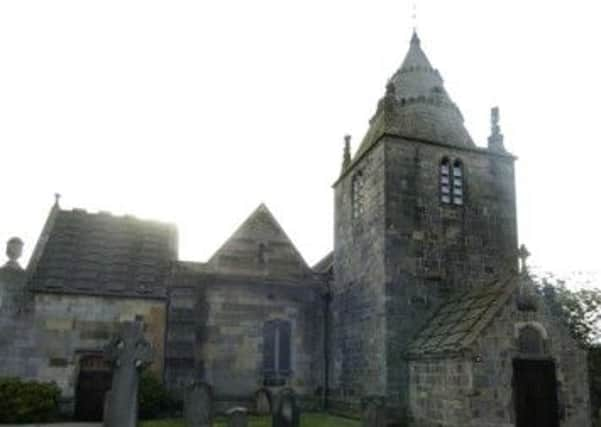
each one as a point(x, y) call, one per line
point(28, 401)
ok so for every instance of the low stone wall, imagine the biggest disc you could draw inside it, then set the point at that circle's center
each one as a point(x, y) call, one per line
point(439, 391)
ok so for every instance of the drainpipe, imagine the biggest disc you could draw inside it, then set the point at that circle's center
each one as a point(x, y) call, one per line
point(327, 297)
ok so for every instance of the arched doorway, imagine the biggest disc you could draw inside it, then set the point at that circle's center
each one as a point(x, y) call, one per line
point(92, 384)
point(534, 382)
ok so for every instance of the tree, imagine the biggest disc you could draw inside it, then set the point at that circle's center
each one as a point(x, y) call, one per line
point(581, 311)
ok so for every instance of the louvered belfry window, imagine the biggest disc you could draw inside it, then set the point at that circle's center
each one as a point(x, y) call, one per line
point(276, 348)
point(445, 181)
point(451, 182)
point(457, 183)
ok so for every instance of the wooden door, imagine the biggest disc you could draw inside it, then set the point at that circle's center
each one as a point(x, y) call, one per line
point(93, 382)
point(535, 393)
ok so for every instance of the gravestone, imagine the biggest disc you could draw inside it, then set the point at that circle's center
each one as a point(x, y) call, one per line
point(198, 405)
point(128, 352)
point(262, 402)
point(237, 417)
point(373, 414)
point(287, 412)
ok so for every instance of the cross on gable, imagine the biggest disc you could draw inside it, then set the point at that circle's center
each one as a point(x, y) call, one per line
point(523, 255)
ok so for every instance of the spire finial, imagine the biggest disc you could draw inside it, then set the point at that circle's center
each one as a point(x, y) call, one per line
point(495, 140)
point(57, 199)
point(346, 159)
point(14, 250)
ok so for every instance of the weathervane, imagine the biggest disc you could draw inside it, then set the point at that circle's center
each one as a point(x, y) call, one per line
point(414, 15)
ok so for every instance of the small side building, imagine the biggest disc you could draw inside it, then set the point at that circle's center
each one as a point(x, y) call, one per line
point(497, 356)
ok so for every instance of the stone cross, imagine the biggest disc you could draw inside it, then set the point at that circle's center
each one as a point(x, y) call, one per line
point(198, 405)
point(237, 417)
point(129, 352)
point(287, 413)
point(523, 255)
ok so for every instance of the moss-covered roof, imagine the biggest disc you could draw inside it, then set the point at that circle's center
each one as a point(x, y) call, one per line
point(102, 254)
point(461, 319)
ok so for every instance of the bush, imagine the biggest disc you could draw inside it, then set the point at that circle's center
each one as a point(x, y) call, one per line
point(28, 401)
point(154, 399)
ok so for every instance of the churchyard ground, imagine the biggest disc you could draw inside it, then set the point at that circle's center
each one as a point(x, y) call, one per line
point(307, 420)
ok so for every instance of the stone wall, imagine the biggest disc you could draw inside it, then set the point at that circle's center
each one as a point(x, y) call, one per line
point(18, 338)
point(357, 319)
point(433, 249)
point(215, 333)
point(440, 392)
point(68, 327)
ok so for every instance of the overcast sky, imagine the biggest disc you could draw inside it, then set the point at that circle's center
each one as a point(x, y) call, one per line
point(195, 112)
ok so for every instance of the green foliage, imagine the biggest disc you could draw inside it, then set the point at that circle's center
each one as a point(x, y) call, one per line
point(28, 401)
point(154, 399)
point(580, 309)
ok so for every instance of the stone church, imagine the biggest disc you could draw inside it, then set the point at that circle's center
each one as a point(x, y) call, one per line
point(422, 307)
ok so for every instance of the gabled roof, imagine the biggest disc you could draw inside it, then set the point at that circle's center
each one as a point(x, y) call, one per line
point(416, 105)
point(260, 247)
point(461, 319)
point(101, 254)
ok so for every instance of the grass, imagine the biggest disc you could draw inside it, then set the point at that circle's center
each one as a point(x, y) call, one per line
point(308, 419)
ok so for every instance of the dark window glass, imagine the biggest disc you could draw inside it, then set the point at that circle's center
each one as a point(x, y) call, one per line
point(269, 347)
point(277, 348)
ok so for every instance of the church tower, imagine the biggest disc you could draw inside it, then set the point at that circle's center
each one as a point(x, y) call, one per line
point(421, 211)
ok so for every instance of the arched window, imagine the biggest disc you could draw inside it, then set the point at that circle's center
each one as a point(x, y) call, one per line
point(445, 181)
point(457, 190)
point(358, 195)
point(276, 351)
point(451, 182)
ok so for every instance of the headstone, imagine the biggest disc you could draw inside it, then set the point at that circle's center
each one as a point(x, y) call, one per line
point(129, 352)
point(262, 402)
point(373, 415)
point(287, 412)
point(237, 417)
point(198, 405)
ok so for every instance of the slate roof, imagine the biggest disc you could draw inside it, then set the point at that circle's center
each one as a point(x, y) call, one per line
point(461, 319)
point(101, 254)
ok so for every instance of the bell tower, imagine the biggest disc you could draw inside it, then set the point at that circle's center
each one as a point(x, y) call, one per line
point(421, 211)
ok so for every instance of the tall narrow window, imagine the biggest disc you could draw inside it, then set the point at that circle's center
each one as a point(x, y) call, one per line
point(457, 183)
point(358, 196)
point(445, 181)
point(276, 351)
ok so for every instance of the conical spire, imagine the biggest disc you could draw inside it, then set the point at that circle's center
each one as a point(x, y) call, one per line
point(416, 105)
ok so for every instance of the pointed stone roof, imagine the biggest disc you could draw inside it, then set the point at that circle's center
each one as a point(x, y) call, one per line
point(416, 105)
point(260, 247)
